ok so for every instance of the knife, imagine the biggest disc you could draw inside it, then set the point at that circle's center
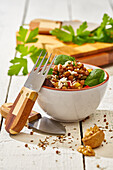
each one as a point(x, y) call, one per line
point(37, 122)
point(25, 100)
point(6, 107)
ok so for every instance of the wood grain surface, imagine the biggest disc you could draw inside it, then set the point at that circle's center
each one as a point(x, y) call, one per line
point(91, 53)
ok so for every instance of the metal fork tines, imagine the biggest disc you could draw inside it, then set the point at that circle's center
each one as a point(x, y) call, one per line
point(37, 77)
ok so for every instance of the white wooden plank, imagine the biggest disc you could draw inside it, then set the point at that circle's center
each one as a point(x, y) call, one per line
point(104, 154)
point(10, 20)
point(55, 10)
point(11, 13)
point(90, 10)
point(16, 155)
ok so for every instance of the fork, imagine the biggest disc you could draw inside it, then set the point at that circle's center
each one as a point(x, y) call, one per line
point(25, 100)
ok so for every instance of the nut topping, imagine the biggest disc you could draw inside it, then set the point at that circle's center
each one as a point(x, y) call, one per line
point(87, 151)
point(93, 137)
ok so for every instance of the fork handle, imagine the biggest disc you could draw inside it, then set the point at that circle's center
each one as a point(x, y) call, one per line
point(20, 110)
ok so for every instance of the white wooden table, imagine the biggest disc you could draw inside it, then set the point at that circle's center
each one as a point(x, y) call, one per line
point(13, 153)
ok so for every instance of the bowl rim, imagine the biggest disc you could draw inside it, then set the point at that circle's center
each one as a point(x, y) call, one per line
point(107, 78)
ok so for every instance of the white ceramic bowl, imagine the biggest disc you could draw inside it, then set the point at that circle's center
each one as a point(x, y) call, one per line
point(72, 105)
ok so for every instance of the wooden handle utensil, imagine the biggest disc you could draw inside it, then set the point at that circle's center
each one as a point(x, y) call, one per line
point(6, 107)
point(25, 100)
point(20, 110)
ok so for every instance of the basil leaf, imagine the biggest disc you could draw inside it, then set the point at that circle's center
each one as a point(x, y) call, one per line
point(95, 77)
point(61, 59)
point(92, 82)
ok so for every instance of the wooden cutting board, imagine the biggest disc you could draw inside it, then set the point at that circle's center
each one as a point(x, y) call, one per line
point(93, 53)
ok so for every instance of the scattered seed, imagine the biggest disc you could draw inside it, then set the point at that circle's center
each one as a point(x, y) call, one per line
point(110, 130)
point(53, 143)
point(106, 127)
point(57, 152)
point(69, 134)
point(98, 166)
point(31, 133)
point(26, 145)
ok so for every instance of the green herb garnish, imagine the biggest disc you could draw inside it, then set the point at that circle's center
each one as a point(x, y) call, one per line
point(61, 59)
point(95, 77)
point(20, 63)
point(101, 34)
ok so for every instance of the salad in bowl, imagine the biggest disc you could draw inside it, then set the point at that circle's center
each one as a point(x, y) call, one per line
point(72, 90)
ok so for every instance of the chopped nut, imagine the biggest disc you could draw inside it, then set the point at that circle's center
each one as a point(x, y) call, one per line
point(87, 151)
point(93, 137)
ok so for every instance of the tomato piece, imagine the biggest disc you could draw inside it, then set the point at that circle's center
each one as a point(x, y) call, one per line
point(86, 86)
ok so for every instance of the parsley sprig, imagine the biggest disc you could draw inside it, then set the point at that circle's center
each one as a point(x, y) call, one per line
point(104, 33)
point(20, 63)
